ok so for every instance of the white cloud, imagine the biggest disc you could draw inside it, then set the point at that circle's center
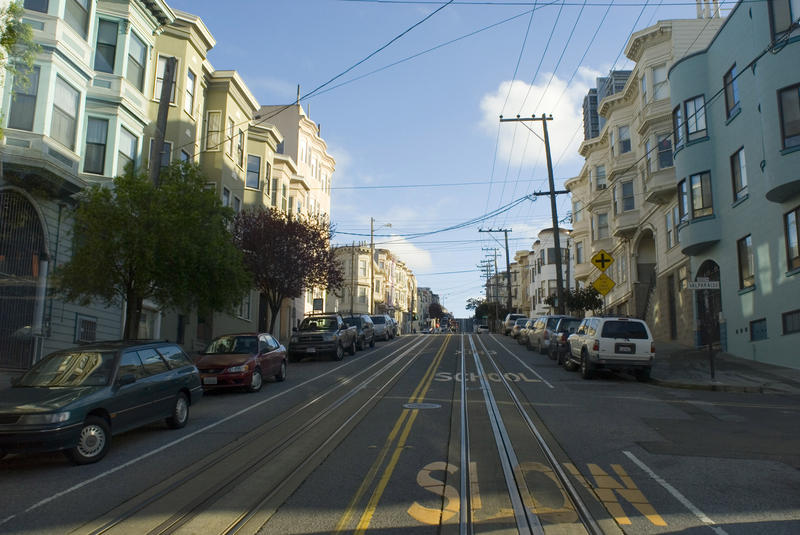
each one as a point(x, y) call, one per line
point(417, 259)
point(563, 102)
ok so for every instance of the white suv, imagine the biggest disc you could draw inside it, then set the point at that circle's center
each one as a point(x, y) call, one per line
point(615, 343)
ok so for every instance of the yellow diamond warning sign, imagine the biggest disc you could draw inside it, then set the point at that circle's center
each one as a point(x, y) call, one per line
point(603, 284)
point(602, 260)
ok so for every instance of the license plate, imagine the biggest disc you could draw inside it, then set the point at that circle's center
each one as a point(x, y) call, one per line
point(209, 380)
point(624, 349)
point(311, 350)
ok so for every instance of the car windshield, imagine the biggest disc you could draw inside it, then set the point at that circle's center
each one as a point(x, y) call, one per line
point(319, 324)
point(624, 329)
point(232, 344)
point(569, 325)
point(522, 322)
point(353, 321)
point(71, 368)
point(378, 319)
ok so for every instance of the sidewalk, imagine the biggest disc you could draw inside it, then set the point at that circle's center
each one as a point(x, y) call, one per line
point(679, 366)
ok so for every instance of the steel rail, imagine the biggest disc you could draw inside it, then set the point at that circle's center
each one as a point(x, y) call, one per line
point(580, 506)
point(199, 468)
point(465, 509)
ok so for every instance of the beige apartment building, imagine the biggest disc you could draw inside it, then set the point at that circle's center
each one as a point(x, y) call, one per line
point(624, 199)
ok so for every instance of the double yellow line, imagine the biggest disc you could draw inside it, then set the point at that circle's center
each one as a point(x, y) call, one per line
point(408, 416)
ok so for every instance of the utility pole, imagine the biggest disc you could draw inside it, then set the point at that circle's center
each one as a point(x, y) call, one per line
point(352, 274)
point(371, 267)
point(508, 265)
point(556, 234)
point(161, 120)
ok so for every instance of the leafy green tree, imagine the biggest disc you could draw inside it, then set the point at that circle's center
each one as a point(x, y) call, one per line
point(169, 243)
point(435, 311)
point(286, 255)
point(17, 49)
point(579, 300)
point(474, 302)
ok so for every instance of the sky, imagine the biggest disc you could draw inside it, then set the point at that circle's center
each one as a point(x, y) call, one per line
point(411, 111)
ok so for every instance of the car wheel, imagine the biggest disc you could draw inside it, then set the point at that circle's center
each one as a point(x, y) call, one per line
point(559, 358)
point(93, 441)
point(586, 368)
point(386, 337)
point(339, 355)
point(352, 349)
point(180, 412)
point(550, 353)
point(643, 375)
point(256, 381)
point(362, 344)
point(539, 348)
point(281, 375)
point(372, 341)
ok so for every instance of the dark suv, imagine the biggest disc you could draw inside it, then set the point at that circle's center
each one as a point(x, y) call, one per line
point(75, 399)
point(366, 330)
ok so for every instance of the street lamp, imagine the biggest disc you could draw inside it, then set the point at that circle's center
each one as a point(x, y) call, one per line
point(372, 261)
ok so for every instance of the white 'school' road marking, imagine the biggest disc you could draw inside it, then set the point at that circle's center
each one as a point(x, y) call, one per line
point(678, 496)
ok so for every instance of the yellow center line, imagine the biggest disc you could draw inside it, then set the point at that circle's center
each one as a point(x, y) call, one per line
point(369, 512)
point(425, 383)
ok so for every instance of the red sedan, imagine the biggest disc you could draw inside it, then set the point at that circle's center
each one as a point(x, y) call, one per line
point(241, 361)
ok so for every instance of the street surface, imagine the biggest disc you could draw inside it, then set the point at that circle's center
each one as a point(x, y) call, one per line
point(395, 440)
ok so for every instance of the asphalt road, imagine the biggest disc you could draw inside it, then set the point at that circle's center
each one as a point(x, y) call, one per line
point(393, 440)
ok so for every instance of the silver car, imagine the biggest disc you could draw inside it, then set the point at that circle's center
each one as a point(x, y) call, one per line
point(383, 327)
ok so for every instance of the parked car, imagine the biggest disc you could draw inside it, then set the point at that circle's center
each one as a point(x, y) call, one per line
point(540, 334)
point(508, 323)
point(322, 334)
point(519, 324)
point(522, 337)
point(559, 348)
point(383, 326)
point(482, 328)
point(365, 330)
point(241, 361)
point(67, 399)
point(612, 343)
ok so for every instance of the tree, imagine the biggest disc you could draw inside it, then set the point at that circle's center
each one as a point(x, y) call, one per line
point(474, 302)
point(435, 311)
point(17, 48)
point(286, 255)
point(579, 300)
point(169, 243)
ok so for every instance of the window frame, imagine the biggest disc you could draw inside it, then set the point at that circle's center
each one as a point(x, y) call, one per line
point(106, 46)
point(732, 104)
point(625, 198)
point(683, 200)
point(791, 230)
point(625, 145)
point(694, 119)
point(705, 206)
point(794, 138)
point(121, 168)
point(94, 144)
point(33, 77)
point(600, 226)
point(250, 171)
point(788, 315)
point(191, 85)
point(677, 126)
point(65, 113)
point(744, 248)
point(786, 22)
point(139, 64)
point(664, 144)
point(159, 79)
point(739, 174)
point(663, 84)
point(164, 151)
point(213, 130)
point(71, 16)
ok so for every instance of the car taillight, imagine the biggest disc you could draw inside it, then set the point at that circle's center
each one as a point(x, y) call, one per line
point(652, 347)
point(564, 337)
point(596, 346)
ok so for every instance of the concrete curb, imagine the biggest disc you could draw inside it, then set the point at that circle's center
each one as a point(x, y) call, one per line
point(718, 387)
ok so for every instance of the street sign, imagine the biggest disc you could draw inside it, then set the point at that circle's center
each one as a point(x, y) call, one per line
point(602, 260)
point(704, 285)
point(603, 284)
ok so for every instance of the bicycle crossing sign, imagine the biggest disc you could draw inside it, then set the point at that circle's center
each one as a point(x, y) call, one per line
point(602, 260)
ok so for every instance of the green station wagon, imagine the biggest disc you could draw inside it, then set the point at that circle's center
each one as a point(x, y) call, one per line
point(74, 400)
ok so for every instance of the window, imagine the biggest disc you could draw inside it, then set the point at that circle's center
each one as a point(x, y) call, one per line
point(237, 205)
point(664, 151)
point(758, 330)
point(106, 49)
point(739, 175)
point(660, 82)
point(152, 361)
point(362, 295)
point(23, 103)
point(185, 156)
point(791, 322)
point(628, 202)
point(577, 211)
point(230, 136)
point(643, 87)
point(244, 307)
point(240, 148)
point(623, 266)
point(695, 118)
point(65, 114)
point(600, 172)
point(253, 179)
point(76, 14)
point(226, 197)
point(648, 162)
point(161, 70)
point(36, 5)
point(166, 152)
point(791, 223)
point(670, 226)
point(789, 104)
point(284, 206)
point(624, 139)
point(677, 126)
point(362, 268)
point(96, 134)
point(137, 56)
point(291, 203)
point(744, 247)
point(213, 130)
point(784, 14)
point(611, 141)
point(274, 193)
point(683, 201)
point(675, 220)
point(85, 328)
point(602, 226)
point(128, 148)
point(579, 253)
point(188, 103)
point(175, 356)
point(731, 92)
point(701, 195)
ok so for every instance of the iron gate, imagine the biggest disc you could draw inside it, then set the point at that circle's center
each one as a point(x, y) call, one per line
point(22, 254)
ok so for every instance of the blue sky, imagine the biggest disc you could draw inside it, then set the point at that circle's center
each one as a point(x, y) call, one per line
point(432, 118)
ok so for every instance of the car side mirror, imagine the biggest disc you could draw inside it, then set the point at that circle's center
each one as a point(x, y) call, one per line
point(127, 379)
